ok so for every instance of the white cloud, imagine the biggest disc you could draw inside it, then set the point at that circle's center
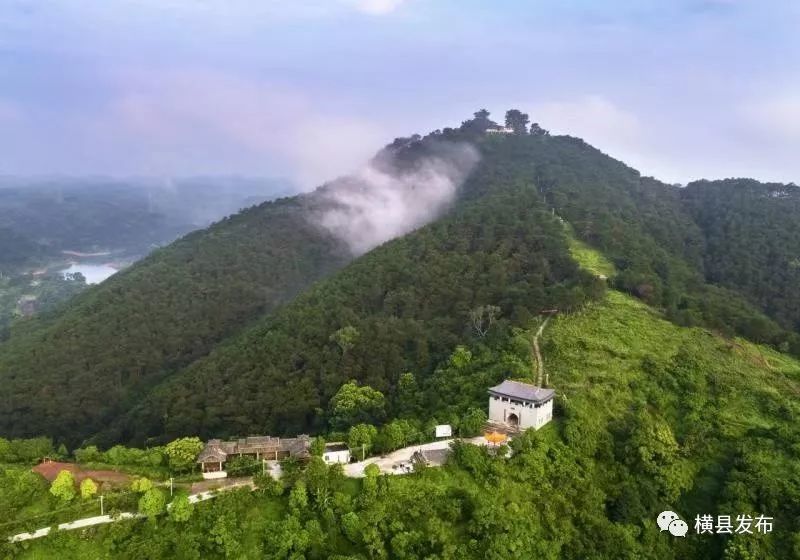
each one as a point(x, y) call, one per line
point(376, 7)
point(777, 116)
point(616, 131)
point(374, 205)
point(593, 118)
point(171, 119)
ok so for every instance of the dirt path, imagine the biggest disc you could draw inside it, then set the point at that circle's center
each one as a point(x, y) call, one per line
point(537, 355)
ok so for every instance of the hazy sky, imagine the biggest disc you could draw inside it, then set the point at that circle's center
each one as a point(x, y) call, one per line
point(680, 89)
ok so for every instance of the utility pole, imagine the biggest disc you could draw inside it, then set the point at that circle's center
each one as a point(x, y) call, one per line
point(102, 511)
point(263, 467)
point(170, 485)
point(363, 451)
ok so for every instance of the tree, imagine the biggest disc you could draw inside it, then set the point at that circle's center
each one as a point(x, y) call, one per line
point(181, 509)
point(361, 437)
point(183, 452)
point(473, 421)
point(63, 486)
point(369, 484)
point(517, 120)
point(479, 124)
point(392, 436)
point(268, 485)
point(31, 450)
point(353, 404)
point(396, 434)
point(298, 498)
point(5, 451)
point(482, 318)
point(351, 527)
point(88, 488)
point(89, 454)
point(537, 130)
point(461, 357)
point(152, 503)
point(408, 395)
point(140, 485)
point(317, 446)
point(345, 338)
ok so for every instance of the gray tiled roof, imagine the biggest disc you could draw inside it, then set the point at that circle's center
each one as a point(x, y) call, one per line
point(522, 391)
point(217, 450)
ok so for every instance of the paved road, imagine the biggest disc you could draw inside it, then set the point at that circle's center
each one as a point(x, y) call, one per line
point(103, 519)
point(77, 524)
point(388, 463)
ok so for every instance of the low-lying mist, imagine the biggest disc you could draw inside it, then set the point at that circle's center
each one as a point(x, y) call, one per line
point(375, 205)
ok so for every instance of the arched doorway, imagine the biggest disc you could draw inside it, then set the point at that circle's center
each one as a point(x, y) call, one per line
point(512, 420)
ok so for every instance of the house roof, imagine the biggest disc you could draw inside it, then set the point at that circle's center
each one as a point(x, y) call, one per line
point(218, 450)
point(522, 391)
point(335, 446)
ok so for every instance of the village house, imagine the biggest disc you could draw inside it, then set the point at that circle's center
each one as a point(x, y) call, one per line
point(336, 452)
point(519, 406)
point(216, 453)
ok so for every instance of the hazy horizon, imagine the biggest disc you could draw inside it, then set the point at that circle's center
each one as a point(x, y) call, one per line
point(309, 91)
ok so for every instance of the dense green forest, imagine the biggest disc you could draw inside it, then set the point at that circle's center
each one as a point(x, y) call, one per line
point(146, 354)
point(160, 314)
point(752, 241)
point(651, 416)
point(407, 305)
point(675, 385)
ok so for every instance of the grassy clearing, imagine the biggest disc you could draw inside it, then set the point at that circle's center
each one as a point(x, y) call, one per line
point(590, 259)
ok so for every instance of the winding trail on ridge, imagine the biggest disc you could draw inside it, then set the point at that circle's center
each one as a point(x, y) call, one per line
point(537, 354)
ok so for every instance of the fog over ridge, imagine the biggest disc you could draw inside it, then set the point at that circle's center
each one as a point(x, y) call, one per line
point(375, 204)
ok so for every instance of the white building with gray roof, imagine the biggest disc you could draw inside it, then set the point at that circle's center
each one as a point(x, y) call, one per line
point(520, 406)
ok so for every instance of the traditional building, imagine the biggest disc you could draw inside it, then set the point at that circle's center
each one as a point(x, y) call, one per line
point(336, 452)
point(500, 130)
point(520, 406)
point(216, 453)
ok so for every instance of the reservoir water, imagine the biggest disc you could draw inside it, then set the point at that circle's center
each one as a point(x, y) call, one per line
point(94, 273)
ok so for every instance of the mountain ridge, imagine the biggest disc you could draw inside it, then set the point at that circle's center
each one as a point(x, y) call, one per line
point(119, 341)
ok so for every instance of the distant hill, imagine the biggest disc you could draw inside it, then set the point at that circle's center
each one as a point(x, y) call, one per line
point(232, 329)
point(41, 217)
point(751, 232)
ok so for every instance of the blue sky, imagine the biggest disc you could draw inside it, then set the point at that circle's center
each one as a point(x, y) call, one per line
point(309, 89)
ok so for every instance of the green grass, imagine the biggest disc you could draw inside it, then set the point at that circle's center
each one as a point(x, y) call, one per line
point(590, 259)
point(595, 357)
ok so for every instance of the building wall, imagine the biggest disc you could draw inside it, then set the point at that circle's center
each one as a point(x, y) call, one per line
point(528, 415)
point(214, 475)
point(342, 456)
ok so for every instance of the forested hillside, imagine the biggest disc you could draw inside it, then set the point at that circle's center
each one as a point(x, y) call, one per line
point(752, 241)
point(128, 358)
point(65, 373)
point(650, 416)
point(401, 308)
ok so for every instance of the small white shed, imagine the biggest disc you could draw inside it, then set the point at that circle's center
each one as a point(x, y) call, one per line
point(336, 452)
